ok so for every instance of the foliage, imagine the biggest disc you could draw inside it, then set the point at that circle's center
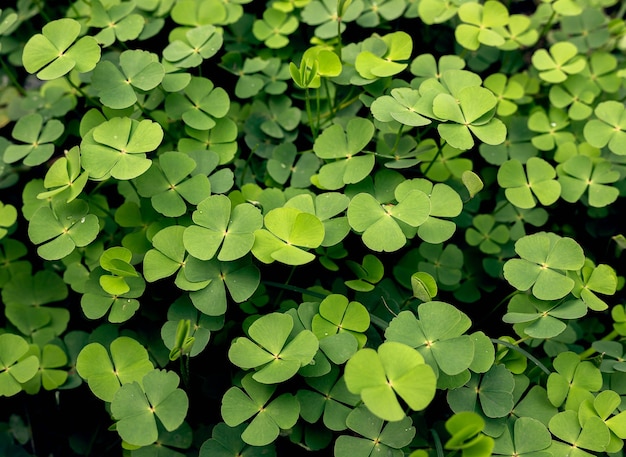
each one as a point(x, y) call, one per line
point(326, 227)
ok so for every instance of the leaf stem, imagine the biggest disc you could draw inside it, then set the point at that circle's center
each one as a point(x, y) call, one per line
point(9, 72)
point(527, 354)
point(590, 351)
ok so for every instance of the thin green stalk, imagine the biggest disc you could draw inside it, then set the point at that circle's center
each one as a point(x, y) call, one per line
point(294, 289)
point(438, 446)
point(331, 104)
point(309, 113)
point(9, 72)
point(525, 353)
point(548, 24)
point(184, 369)
point(589, 352)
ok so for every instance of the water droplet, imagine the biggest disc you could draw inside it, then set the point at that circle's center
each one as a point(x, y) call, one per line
point(82, 220)
point(200, 211)
point(128, 301)
point(552, 124)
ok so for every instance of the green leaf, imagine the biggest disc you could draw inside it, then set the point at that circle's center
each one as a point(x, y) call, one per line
point(116, 86)
point(394, 369)
point(15, 369)
point(55, 52)
point(117, 148)
point(66, 176)
point(337, 314)
point(561, 60)
point(608, 128)
point(61, 228)
point(268, 352)
point(30, 129)
point(543, 257)
point(287, 231)
point(128, 362)
point(199, 105)
point(136, 407)
point(381, 58)
point(219, 227)
point(269, 416)
point(524, 189)
point(199, 43)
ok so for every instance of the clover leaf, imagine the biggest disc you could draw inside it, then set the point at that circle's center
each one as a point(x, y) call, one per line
point(374, 435)
point(62, 227)
point(106, 371)
point(117, 21)
point(438, 335)
point(136, 407)
point(594, 279)
point(544, 258)
point(331, 400)
point(593, 435)
point(219, 141)
point(15, 369)
point(208, 280)
point(580, 174)
point(381, 225)
point(197, 44)
point(137, 70)
point(603, 406)
point(507, 90)
point(394, 369)
point(337, 314)
point(478, 22)
point(66, 176)
point(117, 148)
point(542, 319)
point(329, 18)
point(445, 202)
point(608, 128)
point(288, 230)
point(382, 56)
point(400, 106)
point(269, 351)
point(55, 52)
point(193, 13)
point(270, 417)
point(523, 189)
point(274, 28)
point(471, 110)
point(167, 256)
point(24, 296)
point(573, 381)
point(577, 92)
point(485, 234)
point(283, 165)
point(518, 33)
point(550, 127)
point(51, 357)
point(561, 60)
point(199, 105)
point(168, 185)
point(113, 294)
point(425, 67)
point(491, 393)
point(524, 436)
point(440, 164)
point(219, 226)
point(325, 206)
point(39, 139)
point(343, 147)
